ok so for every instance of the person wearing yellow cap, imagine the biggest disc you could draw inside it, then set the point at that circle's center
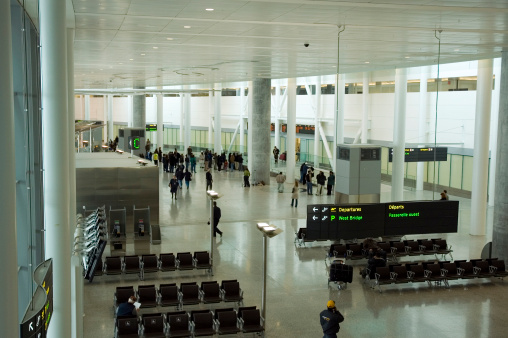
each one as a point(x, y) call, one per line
point(330, 319)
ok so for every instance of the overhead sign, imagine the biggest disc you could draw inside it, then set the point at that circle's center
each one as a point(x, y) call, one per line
point(422, 154)
point(151, 127)
point(134, 142)
point(348, 221)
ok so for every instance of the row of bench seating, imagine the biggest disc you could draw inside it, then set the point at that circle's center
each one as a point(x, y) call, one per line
point(393, 249)
point(187, 294)
point(194, 323)
point(140, 265)
point(443, 271)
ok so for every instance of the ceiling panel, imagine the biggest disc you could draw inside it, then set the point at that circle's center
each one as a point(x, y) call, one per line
point(241, 39)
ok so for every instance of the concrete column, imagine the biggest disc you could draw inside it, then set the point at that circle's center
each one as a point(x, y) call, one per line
point(422, 123)
point(493, 131)
point(187, 112)
point(76, 269)
point(9, 321)
point(500, 228)
point(105, 135)
point(260, 157)
point(277, 116)
point(210, 118)
point(399, 134)
point(139, 111)
point(242, 121)
point(291, 131)
point(87, 107)
point(366, 107)
point(316, 121)
point(110, 119)
point(481, 148)
point(160, 121)
point(217, 144)
point(56, 160)
point(182, 119)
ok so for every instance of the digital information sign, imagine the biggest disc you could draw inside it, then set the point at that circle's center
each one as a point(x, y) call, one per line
point(422, 154)
point(325, 221)
point(38, 314)
point(151, 127)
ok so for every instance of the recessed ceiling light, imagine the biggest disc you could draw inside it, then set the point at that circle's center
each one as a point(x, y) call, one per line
point(169, 39)
point(120, 63)
point(131, 59)
point(334, 66)
point(210, 9)
point(155, 47)
point(407, 57)
point(456, 50)
point(186, 26)
point(367, 62)
point(143, 54)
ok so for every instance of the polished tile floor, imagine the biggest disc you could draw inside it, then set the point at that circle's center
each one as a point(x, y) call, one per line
point(297, 277)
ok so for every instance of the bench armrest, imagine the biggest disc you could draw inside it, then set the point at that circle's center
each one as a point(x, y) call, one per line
point(476, 270)
point(410, 274)
point(422, 247)
point(427, 273)
point(393, 275)
point(460, 271)
point(444, 272)
point(492, 269)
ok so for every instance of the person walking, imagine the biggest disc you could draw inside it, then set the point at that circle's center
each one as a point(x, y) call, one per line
point(303, 172)
point(192, 163)
point(330, 319)
point(209, 180)
point(156, 158)
point(216, 219)
point(276, 152)
point(173, 187)
point(180, 175)
point(294, 194)
point(330, 183)
point(246, 175)
point(280, 179)
point(321, 180)
point(188, 178)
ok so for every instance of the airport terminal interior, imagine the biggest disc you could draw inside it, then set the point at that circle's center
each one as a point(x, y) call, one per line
point(297, 276)
point(244, 76)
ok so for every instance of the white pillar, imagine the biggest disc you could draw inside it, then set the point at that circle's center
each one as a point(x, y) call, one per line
point(217, 122)
point(56, 160)
point(481, 148)
point(210, 118)
point(242, 122)
point(105, 135)
point(316, 120)
point(160, 121)
point(493, 131)
point(139, 110)
point(87, 107)
point(187, 112)
point(338, 116)
point(259, 158)
point(182, 118)
point(399, 134)
point(130, 111)
point(291, 131)
point(249, 126)
point(76, 269)
point(366, 107)
point(422, 123)
point(8, 313)
point(277, 115)
point(110, 119)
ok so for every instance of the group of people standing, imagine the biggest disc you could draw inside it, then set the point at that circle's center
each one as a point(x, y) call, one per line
point(306, 175)
point(233, 161)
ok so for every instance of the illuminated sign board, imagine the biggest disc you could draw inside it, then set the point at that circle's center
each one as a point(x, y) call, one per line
point(348, 221)
point(38, 314)
point(422, 154)
point(134, 142)
point(151, 127)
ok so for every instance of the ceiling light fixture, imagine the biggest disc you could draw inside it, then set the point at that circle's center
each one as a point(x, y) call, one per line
point(131, 59)
point(155, 47)
point(209, 9)
point(143, 54)
point(407, 57)
point(169, 39)
point(367, 62)
point(186, 26)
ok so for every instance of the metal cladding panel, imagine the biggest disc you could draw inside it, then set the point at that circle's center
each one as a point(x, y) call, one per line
point(106, 178)
point(370, 185)
point(354, 162)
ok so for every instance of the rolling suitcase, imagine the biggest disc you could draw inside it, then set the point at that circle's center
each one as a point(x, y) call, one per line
point(340, 273)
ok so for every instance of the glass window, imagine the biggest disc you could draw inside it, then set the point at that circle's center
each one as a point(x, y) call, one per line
point(456, 171)
point(467, 173)
point(444, 172)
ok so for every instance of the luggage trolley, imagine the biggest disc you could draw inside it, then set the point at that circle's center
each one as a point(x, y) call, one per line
point(341, 274)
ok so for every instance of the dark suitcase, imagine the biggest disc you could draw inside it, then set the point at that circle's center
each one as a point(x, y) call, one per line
point(341, 272)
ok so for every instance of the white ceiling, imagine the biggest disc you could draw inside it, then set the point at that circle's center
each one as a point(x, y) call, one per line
point(126, 43)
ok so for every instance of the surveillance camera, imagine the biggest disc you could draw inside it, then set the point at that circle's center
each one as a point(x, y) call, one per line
point(306, 44)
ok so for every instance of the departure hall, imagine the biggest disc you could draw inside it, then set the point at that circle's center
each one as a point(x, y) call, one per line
point(167, 157)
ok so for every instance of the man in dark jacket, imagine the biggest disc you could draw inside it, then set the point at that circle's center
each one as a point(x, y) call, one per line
point(216, 219)
point(330, 319)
